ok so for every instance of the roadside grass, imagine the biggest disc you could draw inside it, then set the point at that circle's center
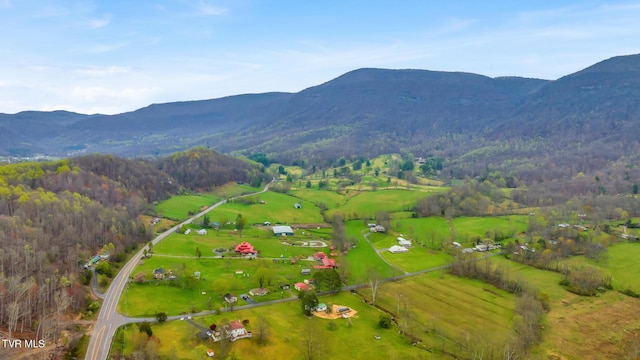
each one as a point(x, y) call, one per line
point(352, 339)
point(451, 316)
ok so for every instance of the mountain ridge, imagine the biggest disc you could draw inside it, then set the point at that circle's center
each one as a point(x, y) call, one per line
point(366, 112)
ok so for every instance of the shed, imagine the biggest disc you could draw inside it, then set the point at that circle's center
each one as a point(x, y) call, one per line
point(321, 307)
point(280, 230)
point(297, 206)
point(202, 232)
point(398, 249)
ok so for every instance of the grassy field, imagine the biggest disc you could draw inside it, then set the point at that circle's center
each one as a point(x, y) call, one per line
point(367, 204)
point(218, 277)
point(344, 339)
point(278, 209)
point(453, 317)
point(179, 206)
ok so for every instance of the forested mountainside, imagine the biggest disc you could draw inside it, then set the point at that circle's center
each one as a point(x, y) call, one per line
point(584, 122)
point(54, 216)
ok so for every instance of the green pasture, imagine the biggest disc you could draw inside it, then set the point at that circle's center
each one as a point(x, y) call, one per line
point(330, 198)
point(449, 314)
point(218, 277)
point(418, 258)
point(623, 265)
point(510, 225)
point(352, 339)
point(621, 261)
point(545, 281)
point(367, 204)
point(179, 206)
point(278, 208)
point(430, 231)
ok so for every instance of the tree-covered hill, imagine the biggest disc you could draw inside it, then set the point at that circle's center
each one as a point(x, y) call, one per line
point(582, 122)
point(54, 216)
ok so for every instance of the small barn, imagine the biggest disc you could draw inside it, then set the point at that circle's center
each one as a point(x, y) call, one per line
point(398, 249)
point(281, 230)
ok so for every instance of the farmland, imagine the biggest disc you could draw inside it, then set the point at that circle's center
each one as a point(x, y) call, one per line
point(446, 316)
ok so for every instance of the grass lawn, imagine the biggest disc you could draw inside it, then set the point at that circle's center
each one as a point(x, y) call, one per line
point(363, 257)
point(218, 277)
point(345, 339)
point(262, 238)
point(418, 258)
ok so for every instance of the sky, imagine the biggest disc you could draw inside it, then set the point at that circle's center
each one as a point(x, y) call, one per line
point(113, 56)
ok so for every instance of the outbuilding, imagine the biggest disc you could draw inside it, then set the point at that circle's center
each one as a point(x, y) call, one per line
point(280, 230)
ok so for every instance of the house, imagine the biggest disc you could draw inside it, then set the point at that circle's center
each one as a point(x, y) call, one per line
point(378, 228)
point(285, 286)
point(306, 272)
point(371, 225)
point(230, 298)
point(321, 307)
point(187, 232)
point(245, 248)
point(258, 292)
point(282, 230)
point(398, 249)
point(467, 250)
point(326, 264)
point(196, 275)
point(158, 273)
point(319, 255)
point(210, 353)
point(202, 232)
point(301, 286)
point(297, 206)
point(456, 244)
point(266, 223)
point(235, 330)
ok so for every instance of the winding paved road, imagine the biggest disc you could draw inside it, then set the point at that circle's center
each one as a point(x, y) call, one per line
point(109, 319)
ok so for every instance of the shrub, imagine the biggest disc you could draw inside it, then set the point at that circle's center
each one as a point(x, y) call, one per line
point(385, 321)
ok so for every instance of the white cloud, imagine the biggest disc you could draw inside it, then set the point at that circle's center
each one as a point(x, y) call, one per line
point(204, 8)
point(103, 71)
point(105, 48)
point(98, 23)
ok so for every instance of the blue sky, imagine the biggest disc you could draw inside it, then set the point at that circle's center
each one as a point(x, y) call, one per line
point(116, 56)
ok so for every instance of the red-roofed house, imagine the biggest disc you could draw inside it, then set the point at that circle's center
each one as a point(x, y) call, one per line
point(245, 248)
point(326, 264)
point(319, 255)
point(235, 330)
point(301, 286)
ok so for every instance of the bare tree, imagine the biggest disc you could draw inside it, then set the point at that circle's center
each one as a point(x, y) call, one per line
point(374, 282)
point(313, 342)
point(262, 331)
